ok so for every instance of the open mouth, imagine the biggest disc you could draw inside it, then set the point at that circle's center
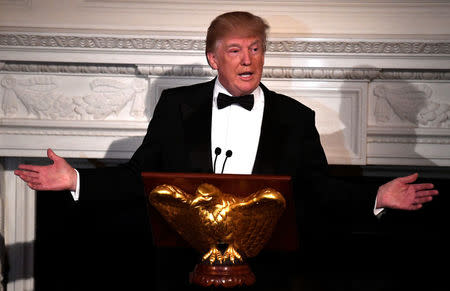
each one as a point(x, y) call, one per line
point(246, 74)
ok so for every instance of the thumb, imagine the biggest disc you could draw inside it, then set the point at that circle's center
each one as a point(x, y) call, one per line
point(52, 156)
point(409, 179)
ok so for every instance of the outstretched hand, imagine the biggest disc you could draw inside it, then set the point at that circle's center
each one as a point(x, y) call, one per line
point(401, 194)
point(57, 176)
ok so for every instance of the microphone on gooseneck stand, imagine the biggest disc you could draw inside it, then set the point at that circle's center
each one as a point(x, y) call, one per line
point(217, 151)
point(227, 154)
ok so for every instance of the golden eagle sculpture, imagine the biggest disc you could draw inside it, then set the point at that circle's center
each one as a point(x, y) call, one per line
point(209, 219)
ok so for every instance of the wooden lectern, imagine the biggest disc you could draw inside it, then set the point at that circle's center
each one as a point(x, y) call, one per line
point(284, 237)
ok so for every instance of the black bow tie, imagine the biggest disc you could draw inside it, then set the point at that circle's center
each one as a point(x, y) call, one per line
point(246, 101)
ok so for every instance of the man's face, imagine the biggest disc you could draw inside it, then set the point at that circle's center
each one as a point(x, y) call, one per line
point(239, 62)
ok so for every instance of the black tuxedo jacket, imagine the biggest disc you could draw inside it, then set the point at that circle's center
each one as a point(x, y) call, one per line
point(179, 140)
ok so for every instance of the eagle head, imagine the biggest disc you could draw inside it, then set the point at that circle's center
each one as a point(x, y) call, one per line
point(206, 194)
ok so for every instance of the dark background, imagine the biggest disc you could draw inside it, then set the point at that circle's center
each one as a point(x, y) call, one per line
point(96, 246)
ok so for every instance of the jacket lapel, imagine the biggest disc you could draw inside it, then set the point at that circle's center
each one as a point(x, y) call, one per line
point(273, 133)
point(196, 116)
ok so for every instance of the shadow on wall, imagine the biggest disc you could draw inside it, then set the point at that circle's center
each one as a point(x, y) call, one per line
point(3, 266)
point(16, 272)
point(127, 146)
point(392, 105)
point(398, 111)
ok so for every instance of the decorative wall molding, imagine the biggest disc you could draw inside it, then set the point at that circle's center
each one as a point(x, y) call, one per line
point(361, 47)
point(406, 74)
point(25, 127)
point(414, 47)
point(69, 68)
point(321, 73)
point(100, 42)
point(16, 3)
point(206, 71)
point(444, 140)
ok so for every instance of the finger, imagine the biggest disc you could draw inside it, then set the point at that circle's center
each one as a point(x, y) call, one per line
point(423, 200)
point(19, 172)
point(415, 206)
point(38, 187)
point(29, 178)
point(30, 167)
point(408, 179)
point(424, 186)
point(427, 193)
point(35, 186)
point(22, 174)
point(27, 173)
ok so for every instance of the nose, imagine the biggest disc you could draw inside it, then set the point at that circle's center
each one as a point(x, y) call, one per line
point(246, 58)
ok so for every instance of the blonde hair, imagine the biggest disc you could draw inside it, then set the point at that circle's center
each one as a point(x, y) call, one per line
point(239, 23)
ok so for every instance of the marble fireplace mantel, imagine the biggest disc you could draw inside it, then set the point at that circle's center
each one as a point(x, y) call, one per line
point(377, 102)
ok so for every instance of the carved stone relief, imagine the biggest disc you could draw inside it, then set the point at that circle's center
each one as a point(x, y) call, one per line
point(72, 97)
point(410, 105)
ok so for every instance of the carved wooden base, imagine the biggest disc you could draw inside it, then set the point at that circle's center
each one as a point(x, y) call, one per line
point(222, 275)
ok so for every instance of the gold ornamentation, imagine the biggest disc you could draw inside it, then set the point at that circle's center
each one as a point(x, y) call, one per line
point(210, 219)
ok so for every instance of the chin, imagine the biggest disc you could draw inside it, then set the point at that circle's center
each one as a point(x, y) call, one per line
point(248, 89)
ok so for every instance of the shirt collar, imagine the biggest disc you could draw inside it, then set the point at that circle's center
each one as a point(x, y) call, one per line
point(219, 88)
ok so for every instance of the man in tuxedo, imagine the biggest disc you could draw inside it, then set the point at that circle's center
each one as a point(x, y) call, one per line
point(266, 132)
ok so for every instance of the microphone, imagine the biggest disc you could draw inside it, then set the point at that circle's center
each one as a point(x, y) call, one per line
point(217, 151)
point(227, 154)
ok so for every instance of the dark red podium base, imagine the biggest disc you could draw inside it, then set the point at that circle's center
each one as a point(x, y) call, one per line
point(222, 275)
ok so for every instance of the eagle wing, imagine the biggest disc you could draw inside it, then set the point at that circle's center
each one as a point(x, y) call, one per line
point(253, 220)
point(174, 205)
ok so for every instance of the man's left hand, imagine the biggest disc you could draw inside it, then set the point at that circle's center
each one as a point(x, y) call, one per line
point(401, 194)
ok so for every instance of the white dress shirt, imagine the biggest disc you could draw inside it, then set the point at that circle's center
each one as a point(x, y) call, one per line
point(237, 129)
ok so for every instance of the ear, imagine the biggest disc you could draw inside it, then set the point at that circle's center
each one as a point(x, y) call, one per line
point(212, 60)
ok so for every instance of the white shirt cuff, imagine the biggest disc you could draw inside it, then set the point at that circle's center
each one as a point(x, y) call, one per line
point(76, 193)
point(377, 211)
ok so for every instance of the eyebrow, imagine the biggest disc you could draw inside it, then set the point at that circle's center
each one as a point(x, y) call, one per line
point(238, 45)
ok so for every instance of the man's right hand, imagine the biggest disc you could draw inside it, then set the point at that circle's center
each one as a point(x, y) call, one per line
point(57, 176)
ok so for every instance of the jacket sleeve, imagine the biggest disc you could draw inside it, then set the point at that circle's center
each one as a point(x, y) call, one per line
point(329, 200)
point(124, 181)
